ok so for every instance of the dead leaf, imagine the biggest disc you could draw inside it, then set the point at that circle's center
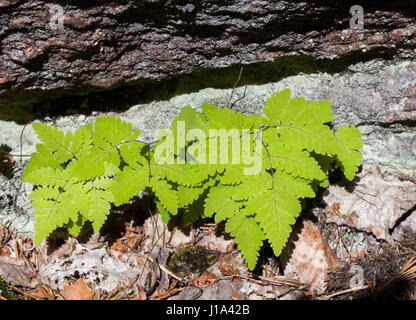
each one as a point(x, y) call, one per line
point(118, 246)
point(5, 234)
point(311, 258)
point(41, 293)
point(4, 251)
point(227, 270)
point(203, 280)
point(78, 291)
point(16, 272)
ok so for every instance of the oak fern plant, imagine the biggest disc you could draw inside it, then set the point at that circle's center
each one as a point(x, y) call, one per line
point(249, 170)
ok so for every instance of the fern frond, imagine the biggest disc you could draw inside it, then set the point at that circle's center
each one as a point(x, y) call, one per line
point(57, 142)
point(187, 195)
point(276, 108)
point(78, 176)
point(82, 142)
point(114, 131)
point(100, 205)
point(349, 157)
point(292, 160)
point(46, 193)
point(253, 186)
point(47, 177)
point(222, 118)
point(183, 174)
point(275, 212)
point(48, 216)
point(166, 195)
point(247, 235)
point(321, 110)
point(40, 159)
point(298, 124)
point(163, 212)
point(128, 183)
point(220, 201)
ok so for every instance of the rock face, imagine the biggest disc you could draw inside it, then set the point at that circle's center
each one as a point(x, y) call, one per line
point(83, 47)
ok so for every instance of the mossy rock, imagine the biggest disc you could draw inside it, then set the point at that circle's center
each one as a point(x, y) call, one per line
point(191, 261)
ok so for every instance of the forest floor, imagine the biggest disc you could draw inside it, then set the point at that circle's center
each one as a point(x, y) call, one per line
point(137, 257)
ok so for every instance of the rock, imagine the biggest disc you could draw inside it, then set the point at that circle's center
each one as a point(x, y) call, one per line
point(219, 243)
point(123, 59)
point(374, 203)
point(294, 295)
point(190, 293)
point(80, 49)
point(158, 233)
point(221, 290)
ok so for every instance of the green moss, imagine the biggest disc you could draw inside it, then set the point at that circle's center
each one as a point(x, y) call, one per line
point(191, 261)
point(6, 165)
point(6, 292)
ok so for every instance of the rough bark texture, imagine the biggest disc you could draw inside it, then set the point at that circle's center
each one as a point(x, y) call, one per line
point(146, 60)
point(108, 44)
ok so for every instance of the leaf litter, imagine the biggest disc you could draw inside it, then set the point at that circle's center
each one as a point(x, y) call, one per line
point(330, 255)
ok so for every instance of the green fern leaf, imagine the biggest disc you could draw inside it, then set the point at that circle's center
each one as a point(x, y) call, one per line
point(128, 183)
point(114, 131)
point(57, 142)
point(166, 194)
point(299, 126)
point(292, 160)
point(276, 108)
point(222, 118)
point(187, 195)
point(78, 176)
point(47, 218)
point(40, 159)
point(349, 157)
point(220, 201)
point(321, 110)
point(82, 142)
point(163, 212)
point(248, 236)
point(275, 212)
point(47, 177)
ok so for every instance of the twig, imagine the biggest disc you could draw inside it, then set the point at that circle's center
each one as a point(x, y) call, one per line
point(235, 85)
point(115, 291)
point(344, 292)
point(279, 281)
point(161, 266)
point(14, 155)
point(341, 237)
point(167, 294)
point(21, 141)
point(239, 98)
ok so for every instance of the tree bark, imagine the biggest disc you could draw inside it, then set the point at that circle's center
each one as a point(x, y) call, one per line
point(111, 44)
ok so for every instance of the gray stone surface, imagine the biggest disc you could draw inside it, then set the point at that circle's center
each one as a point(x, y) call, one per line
point(378, 97)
